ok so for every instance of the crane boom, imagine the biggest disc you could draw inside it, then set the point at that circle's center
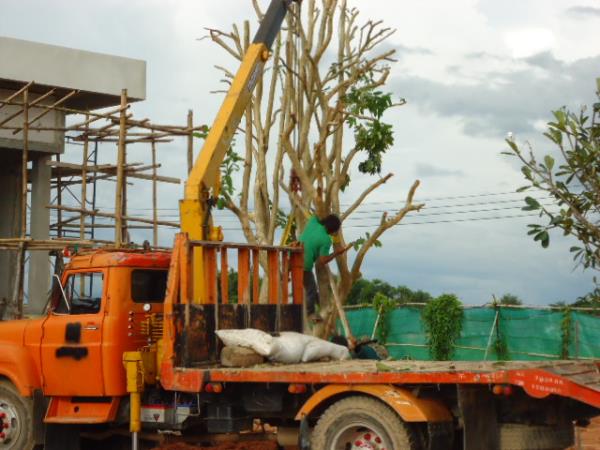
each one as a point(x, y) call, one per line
point(203, 179)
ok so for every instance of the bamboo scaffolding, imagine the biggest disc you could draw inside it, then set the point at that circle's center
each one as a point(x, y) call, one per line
point(113, 216)
point(76, 210)
point(118, 216)
point(84, 180)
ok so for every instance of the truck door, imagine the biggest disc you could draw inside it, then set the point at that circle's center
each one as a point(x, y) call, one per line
point(71, 350)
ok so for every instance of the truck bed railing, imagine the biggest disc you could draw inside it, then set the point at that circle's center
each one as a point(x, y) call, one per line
point(190, 324)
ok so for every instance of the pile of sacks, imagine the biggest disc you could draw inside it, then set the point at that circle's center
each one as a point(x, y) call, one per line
point(288, 347)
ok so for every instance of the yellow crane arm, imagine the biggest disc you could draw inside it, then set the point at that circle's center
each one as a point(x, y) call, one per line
point(204, 176)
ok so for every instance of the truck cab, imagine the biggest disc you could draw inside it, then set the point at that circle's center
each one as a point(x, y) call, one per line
point(103, 307)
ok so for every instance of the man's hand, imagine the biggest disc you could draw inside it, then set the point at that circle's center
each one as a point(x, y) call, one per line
point(344, 249)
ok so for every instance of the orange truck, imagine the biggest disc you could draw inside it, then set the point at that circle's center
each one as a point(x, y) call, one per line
point(129, 341)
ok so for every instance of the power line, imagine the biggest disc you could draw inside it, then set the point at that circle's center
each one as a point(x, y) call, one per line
point(457, 197)
point(470, 219)
point(370, 211)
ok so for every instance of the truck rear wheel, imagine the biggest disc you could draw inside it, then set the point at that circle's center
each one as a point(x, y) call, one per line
point(16, 419)
point(361, 423)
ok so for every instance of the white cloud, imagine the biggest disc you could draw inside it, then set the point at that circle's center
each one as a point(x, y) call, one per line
point(529, 41)
point(469, 73)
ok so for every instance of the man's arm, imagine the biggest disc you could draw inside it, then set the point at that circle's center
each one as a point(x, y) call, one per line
point(327, 259)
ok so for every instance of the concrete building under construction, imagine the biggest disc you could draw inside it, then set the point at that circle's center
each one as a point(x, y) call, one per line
point(50, 95)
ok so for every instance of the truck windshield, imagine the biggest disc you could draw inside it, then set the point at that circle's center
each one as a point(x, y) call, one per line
point(148, 286)
point(84, 293)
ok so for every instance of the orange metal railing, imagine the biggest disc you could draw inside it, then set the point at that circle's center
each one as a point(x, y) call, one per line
point(283, 273)
point(189, 324)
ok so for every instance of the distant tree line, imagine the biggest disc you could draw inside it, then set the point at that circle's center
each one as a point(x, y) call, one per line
point(366, 292)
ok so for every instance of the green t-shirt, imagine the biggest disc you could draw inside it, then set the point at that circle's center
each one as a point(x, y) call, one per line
point(316, 240)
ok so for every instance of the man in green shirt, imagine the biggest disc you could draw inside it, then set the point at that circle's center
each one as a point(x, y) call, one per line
point(316, 238)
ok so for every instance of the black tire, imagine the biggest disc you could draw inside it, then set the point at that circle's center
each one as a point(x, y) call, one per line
point(361, 417)
point(16, 419)
point(536, 437)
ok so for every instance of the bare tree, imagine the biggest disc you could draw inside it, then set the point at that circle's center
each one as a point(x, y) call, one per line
point(322, 84)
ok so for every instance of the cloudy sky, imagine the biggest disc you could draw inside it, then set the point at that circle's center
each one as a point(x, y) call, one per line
point(471, 71)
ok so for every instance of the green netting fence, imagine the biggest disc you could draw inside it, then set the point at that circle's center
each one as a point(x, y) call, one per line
point(525, 334)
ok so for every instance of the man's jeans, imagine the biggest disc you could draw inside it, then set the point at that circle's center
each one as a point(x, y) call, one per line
point(311, 292)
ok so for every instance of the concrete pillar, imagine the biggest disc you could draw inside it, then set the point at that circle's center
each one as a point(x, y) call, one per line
point(39, 264)
point(10, 217)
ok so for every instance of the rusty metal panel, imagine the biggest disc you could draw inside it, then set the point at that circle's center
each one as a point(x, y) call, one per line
point(196, 343)
point(291, 318)
point(263, 317)
point(232, 316)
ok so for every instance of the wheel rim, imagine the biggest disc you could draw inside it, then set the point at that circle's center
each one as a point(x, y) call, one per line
point(10, 428)
point(360, 436)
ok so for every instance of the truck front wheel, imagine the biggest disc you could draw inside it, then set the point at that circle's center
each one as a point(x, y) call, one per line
point(16, 432)
point(361, 422)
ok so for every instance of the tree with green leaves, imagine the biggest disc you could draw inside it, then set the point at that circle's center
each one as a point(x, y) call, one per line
point(442, 318)
point(364, 291)
point(510, 299)
point(571, 178)
point(316, 118)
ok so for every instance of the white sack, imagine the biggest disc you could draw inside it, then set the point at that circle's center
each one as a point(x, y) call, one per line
point(288, 347)
point(319, 349)
point(257, 340)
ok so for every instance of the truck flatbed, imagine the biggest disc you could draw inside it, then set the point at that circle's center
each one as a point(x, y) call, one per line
point(579, 380)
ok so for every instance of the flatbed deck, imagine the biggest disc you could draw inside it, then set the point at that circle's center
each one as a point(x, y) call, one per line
point(579, 380)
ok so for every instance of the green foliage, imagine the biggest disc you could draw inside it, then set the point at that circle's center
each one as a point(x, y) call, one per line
point(442, 319)
point(384, 306)
point(510, 299)
point(500, 345)
point(364, 291)
point(365, 107)
point(229, 166)
point(501, 348)
point(232, 285)
point(566, 328)
point(571, 177)
point(358, 243)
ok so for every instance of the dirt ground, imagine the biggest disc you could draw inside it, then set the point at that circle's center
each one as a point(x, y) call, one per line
point(588, 438)
point(250, 445)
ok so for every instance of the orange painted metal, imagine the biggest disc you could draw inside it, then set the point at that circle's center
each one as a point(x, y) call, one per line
point(121, 258)
point(85, 371)
point(20, 355)
point(409, 407)
point(274, 277)
point(243, 276)
point(169, 329)
point(285, 277)
point(224, 277)
point(255, 276)
point(185, 271)
point(210, 272)
point(537, 383)
point(297, 274)
point(66, 410)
